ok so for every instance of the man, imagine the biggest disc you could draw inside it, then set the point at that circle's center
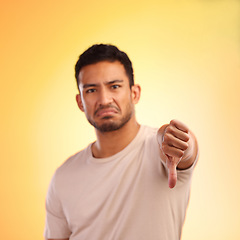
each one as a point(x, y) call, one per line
point(133, 182)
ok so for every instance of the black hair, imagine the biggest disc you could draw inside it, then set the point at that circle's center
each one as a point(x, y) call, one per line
point(104, 52)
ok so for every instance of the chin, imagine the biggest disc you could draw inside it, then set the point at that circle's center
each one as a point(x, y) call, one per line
point(108, 127)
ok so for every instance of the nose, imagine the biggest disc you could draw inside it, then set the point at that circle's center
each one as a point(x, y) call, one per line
point(105, 97)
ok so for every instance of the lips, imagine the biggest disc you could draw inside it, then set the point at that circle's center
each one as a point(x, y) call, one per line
point(106, 112)
point(103, 112)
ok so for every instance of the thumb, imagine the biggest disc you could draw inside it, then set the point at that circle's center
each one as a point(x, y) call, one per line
point(172, 172)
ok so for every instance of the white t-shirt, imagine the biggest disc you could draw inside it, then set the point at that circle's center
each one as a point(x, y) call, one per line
point(122, 197)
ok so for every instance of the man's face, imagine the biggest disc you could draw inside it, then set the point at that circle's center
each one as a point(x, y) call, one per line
point(105, 96)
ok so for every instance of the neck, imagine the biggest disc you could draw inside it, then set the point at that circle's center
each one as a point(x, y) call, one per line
point(110, 143)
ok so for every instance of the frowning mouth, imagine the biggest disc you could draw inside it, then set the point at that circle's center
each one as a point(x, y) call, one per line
point(106, 112)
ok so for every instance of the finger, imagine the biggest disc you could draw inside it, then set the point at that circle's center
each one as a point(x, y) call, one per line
point(172, 174)
point(173, 130)
point(171, 140)
point(181, 126)
point(172, 151)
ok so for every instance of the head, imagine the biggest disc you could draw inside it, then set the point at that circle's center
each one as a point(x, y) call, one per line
point(107, 94)
point(104, 52)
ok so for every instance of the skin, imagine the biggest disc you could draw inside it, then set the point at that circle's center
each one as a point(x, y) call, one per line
point(106, 99)
point(108, 102)
point(178, 148)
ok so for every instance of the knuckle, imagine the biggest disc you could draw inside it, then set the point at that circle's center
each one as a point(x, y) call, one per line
point(164, 147)
point(170, 129)
point(180, 153)
point(185, 146)
point(166, 137)
point(173, 121)
point(186, 137)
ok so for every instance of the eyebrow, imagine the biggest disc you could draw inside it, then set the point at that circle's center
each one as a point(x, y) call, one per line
point(89, 85)
point(106, 83)
point(114, 81)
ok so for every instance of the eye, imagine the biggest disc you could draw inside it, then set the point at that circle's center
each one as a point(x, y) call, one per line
point(115, 86)
point(90, 90)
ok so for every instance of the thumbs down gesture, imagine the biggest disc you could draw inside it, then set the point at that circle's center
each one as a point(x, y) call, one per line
point(178, 148)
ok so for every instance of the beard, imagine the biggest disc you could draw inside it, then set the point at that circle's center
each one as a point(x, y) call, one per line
point(112, 125)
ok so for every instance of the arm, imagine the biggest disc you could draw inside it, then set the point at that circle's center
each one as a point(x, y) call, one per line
point(178, 148)
point(56, 225)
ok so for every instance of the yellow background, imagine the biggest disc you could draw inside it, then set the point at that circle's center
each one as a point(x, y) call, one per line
point(186, 56)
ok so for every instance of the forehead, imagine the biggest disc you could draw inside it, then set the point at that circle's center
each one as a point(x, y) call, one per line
point(102, 71)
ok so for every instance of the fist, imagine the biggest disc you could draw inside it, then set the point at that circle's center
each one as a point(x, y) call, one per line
point(173, 141)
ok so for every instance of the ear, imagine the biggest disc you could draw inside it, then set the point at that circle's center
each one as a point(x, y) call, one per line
point(79, 102)
point(136, 93)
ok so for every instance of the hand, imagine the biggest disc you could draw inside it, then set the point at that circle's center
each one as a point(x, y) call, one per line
point(173, 141)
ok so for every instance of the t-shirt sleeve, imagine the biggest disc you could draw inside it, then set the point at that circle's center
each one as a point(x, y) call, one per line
point(56, 225)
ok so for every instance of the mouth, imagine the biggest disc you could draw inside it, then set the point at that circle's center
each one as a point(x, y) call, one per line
point(106, 112)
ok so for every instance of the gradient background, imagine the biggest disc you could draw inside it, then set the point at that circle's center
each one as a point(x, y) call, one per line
point(186, 56)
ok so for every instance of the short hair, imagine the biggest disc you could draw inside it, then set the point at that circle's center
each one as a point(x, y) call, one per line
point(104, 52)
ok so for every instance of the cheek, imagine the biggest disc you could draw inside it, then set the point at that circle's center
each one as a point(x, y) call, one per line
point(88, 105)
point(126, 101)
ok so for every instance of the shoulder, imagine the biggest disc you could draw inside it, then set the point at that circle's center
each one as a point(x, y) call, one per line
point(68, 172)
point(148, 132)
point(150, 136)
point(73, 163)
point(150, 146)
